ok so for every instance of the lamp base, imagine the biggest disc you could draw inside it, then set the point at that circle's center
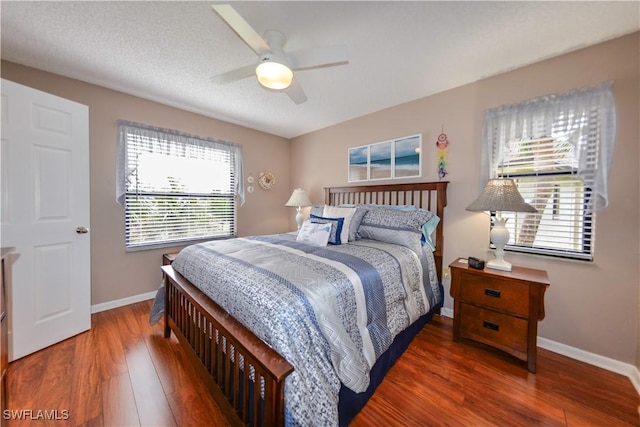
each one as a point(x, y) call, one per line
point(499, 237)
point(499, 264)
point(299, 218)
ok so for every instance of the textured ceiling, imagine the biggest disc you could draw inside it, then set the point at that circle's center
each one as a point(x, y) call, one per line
point(398, 51)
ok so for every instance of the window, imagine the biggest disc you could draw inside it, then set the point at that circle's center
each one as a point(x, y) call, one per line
point(546, 177)
point(558, 151)
point(176, 188)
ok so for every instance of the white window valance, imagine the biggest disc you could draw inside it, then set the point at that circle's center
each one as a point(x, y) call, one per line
point(584, 117)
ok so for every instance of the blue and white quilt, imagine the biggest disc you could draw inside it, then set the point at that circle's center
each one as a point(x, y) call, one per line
point(330, 311)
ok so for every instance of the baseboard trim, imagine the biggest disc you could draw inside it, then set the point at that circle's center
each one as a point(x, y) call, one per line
point(122, 302)
point(603, 362)
point(635, 380)
point(612, 365)
point(447, 312)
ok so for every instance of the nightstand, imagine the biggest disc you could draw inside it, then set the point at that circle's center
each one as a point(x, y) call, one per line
point(499, 308)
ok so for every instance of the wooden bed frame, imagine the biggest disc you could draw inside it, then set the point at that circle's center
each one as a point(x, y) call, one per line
point(214, 339)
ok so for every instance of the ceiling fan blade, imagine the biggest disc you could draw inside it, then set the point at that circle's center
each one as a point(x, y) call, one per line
point(318, 57)
point(234, 75)
point(295, 92)
point(242, 27)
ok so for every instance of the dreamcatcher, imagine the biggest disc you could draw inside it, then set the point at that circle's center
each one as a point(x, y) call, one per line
point(442, 143)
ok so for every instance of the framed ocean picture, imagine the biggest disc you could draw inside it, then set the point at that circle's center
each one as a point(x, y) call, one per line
point(359, 163)
point(397, 158)
point(407, 156)
point(380, 160)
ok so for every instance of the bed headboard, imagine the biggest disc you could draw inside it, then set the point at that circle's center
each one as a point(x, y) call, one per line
point(431, 196)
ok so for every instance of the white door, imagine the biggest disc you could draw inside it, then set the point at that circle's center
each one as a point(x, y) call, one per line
point(45, 212)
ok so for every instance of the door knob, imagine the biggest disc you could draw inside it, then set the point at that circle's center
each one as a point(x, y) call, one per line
point(82, 230)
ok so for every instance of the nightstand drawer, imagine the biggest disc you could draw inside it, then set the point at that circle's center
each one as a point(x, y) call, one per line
point(496, 293)
point(502, 331)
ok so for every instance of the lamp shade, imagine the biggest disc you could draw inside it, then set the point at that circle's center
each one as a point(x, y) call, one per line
point(298, 199)
point(274, 72)
point(500, 195)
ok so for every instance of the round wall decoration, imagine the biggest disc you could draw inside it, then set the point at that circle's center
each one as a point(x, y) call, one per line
point(266, 180)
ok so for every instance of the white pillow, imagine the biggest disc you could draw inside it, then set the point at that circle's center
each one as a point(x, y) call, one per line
point(315, 234)
point(346, 213)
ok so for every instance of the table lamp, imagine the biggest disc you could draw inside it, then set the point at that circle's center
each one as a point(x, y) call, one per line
point(500, 195)
point(298, 199)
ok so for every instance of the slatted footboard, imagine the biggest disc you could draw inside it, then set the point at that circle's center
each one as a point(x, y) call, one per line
point(244, 375)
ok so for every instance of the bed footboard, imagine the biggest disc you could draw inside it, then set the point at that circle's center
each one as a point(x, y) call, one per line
point(244, 375)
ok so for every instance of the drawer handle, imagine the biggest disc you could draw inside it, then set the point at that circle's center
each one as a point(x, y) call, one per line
point(490, 325)
point(492, 292)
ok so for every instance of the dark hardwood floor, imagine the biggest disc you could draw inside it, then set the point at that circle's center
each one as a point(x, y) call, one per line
point(124, 373)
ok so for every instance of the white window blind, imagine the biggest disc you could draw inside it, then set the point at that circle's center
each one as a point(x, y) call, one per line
point(558, 151)
point(546, 176)
point(176, 188)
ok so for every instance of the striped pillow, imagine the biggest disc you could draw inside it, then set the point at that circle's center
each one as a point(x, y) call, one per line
point(395, 226)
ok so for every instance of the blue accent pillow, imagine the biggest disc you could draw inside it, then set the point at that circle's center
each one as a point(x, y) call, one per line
point(427, 230)
point(336, 227)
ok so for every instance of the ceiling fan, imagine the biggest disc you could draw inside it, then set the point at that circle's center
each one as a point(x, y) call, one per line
point(275, 67)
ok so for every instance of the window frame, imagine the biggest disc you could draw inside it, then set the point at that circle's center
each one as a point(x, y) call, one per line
point(177, 145)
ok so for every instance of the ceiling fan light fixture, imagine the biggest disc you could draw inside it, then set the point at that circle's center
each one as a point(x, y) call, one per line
point(273, 74)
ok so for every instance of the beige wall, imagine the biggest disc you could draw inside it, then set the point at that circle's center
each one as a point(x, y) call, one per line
point(591, 306)
point(116, 274)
